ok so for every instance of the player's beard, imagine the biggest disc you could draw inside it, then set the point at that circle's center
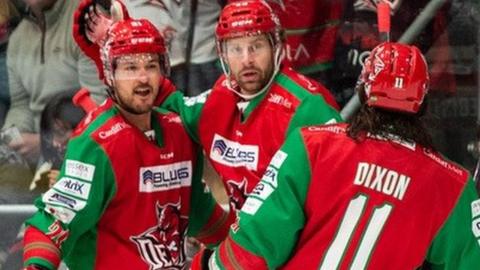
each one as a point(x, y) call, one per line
point(133, 108)
point(253, 86)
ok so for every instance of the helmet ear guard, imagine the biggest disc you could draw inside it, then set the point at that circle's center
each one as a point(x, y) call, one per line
point(395, 77)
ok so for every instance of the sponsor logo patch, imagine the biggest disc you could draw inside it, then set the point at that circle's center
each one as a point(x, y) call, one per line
point(251, 205)
point(270, 176)
point(476, 208)
point(62, 214)
point(234, 154)
point(73, 187)
point(278, 159)
point(113, 130)
point(165, 177)
point(168, 155)
point(262, 190)
point(476, 227)
point(280, 100)
point(333, 129)
point(442, 162)
point(53, 198)
point(476, 219)
point(79, 170)
point(199, 99)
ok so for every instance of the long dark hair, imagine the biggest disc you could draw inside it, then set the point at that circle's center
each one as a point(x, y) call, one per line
point(376, 121)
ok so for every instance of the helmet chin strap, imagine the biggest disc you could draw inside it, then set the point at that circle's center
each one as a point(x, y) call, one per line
point(279, 54)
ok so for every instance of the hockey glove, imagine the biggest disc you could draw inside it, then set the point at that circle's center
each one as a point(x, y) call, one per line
point(90, 24)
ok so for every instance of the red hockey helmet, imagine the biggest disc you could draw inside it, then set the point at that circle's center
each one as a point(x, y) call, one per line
point(132, 37)
point(245, 18)
point(395, 77)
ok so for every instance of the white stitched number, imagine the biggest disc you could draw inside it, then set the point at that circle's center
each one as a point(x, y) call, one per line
point(374, 227)
point(398, 82)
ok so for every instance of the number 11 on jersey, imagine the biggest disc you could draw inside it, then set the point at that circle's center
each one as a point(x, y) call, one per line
point(354, 212)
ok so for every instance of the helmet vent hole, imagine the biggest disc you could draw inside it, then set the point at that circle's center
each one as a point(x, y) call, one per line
point(241, 13)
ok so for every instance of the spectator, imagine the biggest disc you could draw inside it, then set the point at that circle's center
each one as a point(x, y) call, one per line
point(42, 61)
point(59, 118)
point(9, 17)
point(372, 194)
point(14, 170)
point(190, 26)
point(126, 162)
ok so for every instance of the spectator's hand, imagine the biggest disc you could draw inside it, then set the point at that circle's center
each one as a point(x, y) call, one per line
point(52, 176)
point(29, 147)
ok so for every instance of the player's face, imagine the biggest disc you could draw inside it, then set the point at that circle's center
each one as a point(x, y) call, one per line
point(137, 80)
point(250, 60)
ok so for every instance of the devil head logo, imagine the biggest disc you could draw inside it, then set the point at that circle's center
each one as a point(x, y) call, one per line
point(163, 246)
point(238, 193)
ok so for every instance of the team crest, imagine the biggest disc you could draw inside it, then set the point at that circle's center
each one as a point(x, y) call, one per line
point(238, 193)
point(163, 246)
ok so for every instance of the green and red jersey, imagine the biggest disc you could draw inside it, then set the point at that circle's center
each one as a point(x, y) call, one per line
point(124, 201)
point(329, 202)
point(240, 140)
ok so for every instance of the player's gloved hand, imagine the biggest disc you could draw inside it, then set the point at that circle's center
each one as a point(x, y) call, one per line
point(90, 24)
point(200, 260)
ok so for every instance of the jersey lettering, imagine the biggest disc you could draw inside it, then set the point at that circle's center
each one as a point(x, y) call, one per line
point(388, 182)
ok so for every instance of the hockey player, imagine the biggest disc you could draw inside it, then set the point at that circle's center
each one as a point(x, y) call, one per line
point(129, 190)
point(373, 194)
point(245, 118)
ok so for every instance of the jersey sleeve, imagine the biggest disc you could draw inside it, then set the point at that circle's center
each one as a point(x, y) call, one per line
point(189, 109)
point(208, 221)
point(272, 217)
point(314, 111)
point(70, 210)
point(457, 245)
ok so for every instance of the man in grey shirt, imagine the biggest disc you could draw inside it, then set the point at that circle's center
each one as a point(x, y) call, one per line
point(43, 60)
